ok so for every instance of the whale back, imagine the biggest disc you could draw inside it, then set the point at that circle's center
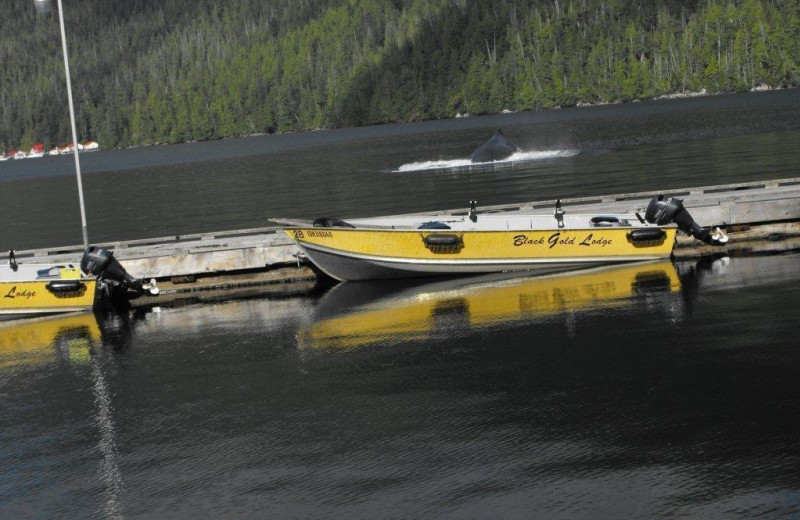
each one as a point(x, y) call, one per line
point(495, 149)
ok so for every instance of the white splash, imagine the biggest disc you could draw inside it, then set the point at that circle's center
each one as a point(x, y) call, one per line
point(517, 158)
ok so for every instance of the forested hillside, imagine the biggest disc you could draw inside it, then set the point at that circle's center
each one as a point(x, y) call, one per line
point(165, 71)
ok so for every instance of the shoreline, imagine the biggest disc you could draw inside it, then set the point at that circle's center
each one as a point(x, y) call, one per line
point(675, 95)
point(664, 97)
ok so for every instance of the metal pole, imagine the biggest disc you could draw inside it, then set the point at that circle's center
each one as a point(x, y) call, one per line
point(74, 129)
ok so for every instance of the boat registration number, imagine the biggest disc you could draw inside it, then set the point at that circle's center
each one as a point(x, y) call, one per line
point(312, 233)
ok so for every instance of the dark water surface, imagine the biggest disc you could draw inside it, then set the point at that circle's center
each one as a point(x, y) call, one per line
point(240, 183)
point(656, 391)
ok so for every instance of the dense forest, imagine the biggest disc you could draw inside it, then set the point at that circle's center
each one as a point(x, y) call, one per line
point(165, 71)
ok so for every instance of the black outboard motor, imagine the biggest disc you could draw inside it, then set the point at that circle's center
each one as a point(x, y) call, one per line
point(101, 263)
point(663, 212)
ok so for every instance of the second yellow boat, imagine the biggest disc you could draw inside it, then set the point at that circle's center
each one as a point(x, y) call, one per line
point(395, 247)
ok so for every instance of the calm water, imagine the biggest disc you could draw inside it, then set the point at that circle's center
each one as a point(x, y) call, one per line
point(656, 391)
point(653, 392)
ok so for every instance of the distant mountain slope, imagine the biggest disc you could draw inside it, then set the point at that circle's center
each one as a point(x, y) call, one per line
point(155, 71)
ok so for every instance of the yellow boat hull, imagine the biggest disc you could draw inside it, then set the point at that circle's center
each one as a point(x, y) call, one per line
point(363, 254)
point(26, 298)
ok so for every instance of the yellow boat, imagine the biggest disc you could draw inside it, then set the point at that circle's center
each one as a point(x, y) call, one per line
point(28, 290)
point(395, 247)
point(349, 316)
point(38, 289)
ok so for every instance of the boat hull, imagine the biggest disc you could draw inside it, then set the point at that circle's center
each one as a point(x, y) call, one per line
point(35, 312)
point(28, 298)
point(364, 254)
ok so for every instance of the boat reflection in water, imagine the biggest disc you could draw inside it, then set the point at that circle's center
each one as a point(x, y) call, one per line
point(76, 340)
point(66, 337)
point(355, 314)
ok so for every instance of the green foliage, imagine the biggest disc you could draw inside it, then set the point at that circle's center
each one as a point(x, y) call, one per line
point(149, 72)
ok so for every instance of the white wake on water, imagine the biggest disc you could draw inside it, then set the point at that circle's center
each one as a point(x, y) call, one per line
point(517, 158)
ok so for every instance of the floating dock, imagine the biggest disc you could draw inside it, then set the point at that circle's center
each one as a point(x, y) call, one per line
point(757, 216)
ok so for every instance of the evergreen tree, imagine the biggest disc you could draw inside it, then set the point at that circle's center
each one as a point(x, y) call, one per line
point(148, 72)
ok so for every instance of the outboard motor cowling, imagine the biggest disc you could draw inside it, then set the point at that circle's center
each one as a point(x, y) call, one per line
point(662, 212)
point(101, 263)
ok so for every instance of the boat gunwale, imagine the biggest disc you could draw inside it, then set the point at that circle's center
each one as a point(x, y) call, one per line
point(456, 230)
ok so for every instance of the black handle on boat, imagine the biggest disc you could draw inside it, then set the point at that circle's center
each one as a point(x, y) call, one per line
point(605, 219)
point(12, 260)
point(65, 286)
point(442, 239)
point(647, 235)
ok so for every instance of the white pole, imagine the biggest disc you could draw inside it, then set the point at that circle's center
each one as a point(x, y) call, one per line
point(74, 129)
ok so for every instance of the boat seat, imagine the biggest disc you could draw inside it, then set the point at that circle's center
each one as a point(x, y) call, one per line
point(331, 222)
point(51, 272)
point(434, 224)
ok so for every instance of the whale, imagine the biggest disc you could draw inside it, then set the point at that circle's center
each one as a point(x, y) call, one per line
point(495, 149)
